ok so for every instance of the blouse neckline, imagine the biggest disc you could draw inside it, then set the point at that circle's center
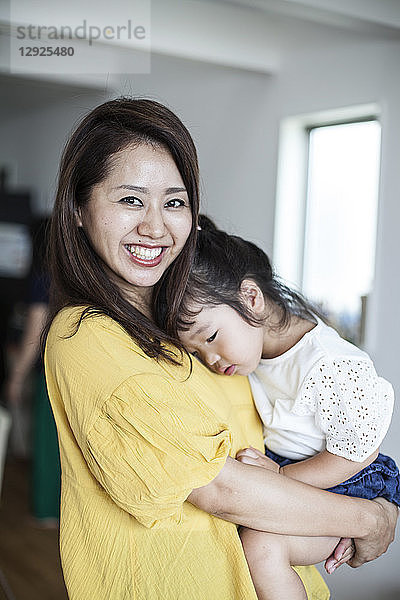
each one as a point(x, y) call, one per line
point(303, 340)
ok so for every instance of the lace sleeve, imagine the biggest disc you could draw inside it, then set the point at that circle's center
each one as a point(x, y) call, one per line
point(352, 406)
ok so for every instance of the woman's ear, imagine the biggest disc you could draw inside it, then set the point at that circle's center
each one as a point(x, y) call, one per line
point(253, 296)
point(78, 217)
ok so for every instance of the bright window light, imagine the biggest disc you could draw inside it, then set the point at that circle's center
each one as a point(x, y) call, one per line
point(341, 218)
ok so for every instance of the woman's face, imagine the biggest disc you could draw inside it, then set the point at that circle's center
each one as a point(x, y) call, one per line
point(139, 218)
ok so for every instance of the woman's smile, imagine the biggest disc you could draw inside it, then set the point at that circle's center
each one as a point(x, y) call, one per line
point(139, 217)
point(146, 255)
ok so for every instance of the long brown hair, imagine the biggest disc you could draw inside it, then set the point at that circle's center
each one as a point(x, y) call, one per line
point(77, 274)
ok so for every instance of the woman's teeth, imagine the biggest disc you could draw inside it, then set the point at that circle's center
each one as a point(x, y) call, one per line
point(144, 253)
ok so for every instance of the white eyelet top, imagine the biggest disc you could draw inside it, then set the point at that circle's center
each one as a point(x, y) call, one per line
point(322, 393)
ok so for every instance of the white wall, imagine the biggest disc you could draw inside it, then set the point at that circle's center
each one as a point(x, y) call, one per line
point(32, 136)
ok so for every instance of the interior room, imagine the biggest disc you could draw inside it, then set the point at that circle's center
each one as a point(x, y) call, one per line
point(250, 79)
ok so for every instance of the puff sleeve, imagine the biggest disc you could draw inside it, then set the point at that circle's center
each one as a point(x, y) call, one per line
point(152, 444)
point(352, 405)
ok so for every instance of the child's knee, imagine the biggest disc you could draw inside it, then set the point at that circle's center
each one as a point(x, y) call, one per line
point(261, 546)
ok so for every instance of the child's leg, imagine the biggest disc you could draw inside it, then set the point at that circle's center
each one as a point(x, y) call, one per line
point(270, 558)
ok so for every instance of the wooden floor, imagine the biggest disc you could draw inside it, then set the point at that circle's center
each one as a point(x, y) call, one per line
point(29, 556)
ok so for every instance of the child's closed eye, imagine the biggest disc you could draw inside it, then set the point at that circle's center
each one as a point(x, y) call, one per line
point(211, 338)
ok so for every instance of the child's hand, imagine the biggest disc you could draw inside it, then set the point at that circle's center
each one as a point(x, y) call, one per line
point(252, 456)
point(343, 552)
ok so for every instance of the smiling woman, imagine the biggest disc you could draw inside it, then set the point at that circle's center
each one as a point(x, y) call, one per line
point(145, 436)
point(128, 185)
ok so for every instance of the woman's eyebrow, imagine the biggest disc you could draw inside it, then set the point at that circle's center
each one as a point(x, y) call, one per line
point(144, 190)
point(135, 188)
point(175, 190)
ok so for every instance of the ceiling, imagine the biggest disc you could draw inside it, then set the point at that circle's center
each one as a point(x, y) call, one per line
point(380, 14)
point(178, 29)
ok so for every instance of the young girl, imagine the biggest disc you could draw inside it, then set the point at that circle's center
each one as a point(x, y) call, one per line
point(324, 408)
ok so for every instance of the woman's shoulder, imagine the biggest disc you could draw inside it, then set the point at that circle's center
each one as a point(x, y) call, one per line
point(89, 356)
point(77, 323)
point(67, 319)
point(78, 333)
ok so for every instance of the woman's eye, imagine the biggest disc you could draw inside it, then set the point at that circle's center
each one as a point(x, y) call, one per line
point(211, 338)
point(175, 203)
point(131, 201)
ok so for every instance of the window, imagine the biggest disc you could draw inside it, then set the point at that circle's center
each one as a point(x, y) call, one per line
point(340, 221)
point(325, 226)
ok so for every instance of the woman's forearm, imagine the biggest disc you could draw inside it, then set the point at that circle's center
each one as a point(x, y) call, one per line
point(263, 500)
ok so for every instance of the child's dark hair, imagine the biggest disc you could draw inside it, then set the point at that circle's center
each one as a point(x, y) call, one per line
point(221, 263)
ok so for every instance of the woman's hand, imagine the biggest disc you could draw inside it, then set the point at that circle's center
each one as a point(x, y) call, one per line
point(252, 456)
point(361, 550)
point(375, 544)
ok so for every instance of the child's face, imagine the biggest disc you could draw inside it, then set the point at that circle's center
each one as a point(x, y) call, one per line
point(224, 341)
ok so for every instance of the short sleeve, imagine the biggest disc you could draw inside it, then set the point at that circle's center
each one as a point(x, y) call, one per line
point(152, 444)
point(352, 406)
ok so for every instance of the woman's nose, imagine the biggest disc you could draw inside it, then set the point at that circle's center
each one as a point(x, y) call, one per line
point(152, 224)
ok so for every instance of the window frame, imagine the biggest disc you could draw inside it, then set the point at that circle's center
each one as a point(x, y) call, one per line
point(292, 188)
point(292, 196)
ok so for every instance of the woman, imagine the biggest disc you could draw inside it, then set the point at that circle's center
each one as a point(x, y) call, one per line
point(150, 493)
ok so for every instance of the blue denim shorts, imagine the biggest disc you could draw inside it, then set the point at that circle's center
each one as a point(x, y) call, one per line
point(380, 478)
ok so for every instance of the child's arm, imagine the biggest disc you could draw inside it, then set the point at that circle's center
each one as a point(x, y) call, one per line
point(353, 408)
point(324, 470)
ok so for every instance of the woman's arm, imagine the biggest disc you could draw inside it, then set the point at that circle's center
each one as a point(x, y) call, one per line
point(263, 500)
point(255, 497)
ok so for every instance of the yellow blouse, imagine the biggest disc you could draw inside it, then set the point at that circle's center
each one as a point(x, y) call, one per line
point(136, 436)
